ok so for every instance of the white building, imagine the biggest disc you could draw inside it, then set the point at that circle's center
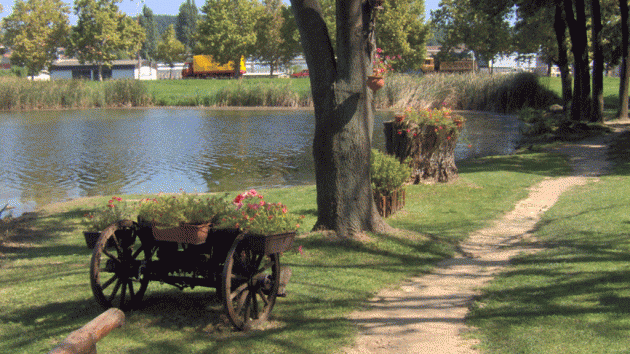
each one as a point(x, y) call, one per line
point(120, 69)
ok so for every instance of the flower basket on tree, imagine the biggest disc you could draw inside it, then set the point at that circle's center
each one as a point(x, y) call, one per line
point(388, 179)
point(381, 65)
point(429, 138)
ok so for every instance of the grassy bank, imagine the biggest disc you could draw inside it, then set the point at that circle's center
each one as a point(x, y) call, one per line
point(45, 292)
point(574, 296)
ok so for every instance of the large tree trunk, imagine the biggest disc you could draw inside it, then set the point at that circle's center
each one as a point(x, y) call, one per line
point(343, 114)
point(560, 27)
point(581, 105)
point(598, 63)
point(625, 61)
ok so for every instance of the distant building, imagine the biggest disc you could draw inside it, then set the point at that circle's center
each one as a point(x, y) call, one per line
point(64, 69)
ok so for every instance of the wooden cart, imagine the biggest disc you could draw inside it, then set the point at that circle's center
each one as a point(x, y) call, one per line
point(245, 269)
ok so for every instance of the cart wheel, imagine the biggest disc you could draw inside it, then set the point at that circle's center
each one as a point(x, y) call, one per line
point(117, 270)
point(250, 285)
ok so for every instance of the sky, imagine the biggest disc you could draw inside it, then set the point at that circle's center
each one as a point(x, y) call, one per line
point(165, 7)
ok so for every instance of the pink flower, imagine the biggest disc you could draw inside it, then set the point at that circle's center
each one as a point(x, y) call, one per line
point(300, 250)
point(284, 210)
point(379, 50)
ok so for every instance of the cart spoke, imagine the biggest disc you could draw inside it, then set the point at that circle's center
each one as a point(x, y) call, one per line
point(115, 291)
point(254, 306)
point(110, 281)
point(238, 291)
point(263, 297)
point(106, 252)
point(123, 293)
point(132, 294)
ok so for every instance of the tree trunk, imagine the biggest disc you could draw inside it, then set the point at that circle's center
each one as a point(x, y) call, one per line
point(581, 104)
point(343, 114)
point(598, 63)
point(625, 61)
point(560, 27)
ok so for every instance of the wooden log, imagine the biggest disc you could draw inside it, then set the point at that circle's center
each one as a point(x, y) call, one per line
point(84, 339)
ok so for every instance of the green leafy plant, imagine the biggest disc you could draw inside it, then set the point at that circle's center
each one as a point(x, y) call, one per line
point(173, 210)
point(115, 209)
point(254, 215)
point(388, 174)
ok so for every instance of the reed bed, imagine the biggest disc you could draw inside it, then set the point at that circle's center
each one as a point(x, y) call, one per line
point(21, 94)
point(268, 94)
point(502, 93)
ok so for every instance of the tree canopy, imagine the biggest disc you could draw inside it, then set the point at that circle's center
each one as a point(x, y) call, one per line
point(103, 33)
point(35, 30)
point(147, 21)
point(226, 30)
point(186, 24)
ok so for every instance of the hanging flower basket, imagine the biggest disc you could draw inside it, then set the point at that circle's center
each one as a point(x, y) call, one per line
point(375, 83)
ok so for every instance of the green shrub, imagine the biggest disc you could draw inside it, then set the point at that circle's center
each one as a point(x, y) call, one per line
point(388, 174)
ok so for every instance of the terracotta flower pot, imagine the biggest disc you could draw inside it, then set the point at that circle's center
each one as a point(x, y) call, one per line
point(375, 83)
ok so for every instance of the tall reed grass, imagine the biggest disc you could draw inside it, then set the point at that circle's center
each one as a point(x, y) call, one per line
point(22, 94)
point(269, 94)
point(503, 93)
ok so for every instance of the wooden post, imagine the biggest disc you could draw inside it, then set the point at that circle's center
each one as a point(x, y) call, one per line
point(84, 339)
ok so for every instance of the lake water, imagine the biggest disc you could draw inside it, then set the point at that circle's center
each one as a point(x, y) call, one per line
point(52, 156)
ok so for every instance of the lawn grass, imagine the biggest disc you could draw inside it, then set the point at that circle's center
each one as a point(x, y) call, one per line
point(574, 296)
point(45, 292)
point(611, 90)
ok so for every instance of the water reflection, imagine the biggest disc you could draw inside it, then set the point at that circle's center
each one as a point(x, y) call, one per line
point(52, 156)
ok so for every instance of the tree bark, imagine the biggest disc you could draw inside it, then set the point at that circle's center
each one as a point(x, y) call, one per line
point(576, 20)
point(432, 155)
point(625, 61)
point(560, 27)
point(343, 114)
point(598, 63)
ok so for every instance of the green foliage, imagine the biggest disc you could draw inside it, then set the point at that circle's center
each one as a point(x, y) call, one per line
point(468, 22)
point(254, 215)
point(103, 33)
point(172, 210)
point(186, 24)
point(147, 21)
point(34, 31)
point(170, 50)
point(115, 209)
point(388, 174)
point(401, 29)
point(226, 30)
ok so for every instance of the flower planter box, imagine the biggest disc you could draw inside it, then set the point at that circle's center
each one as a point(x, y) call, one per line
point(270, 244)
point(389, 204)
point(185, 233)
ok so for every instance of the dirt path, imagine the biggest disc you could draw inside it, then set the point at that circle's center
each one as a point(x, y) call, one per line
point(426, 314)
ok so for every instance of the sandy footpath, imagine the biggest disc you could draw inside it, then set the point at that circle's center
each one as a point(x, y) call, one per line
point(426, 314)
